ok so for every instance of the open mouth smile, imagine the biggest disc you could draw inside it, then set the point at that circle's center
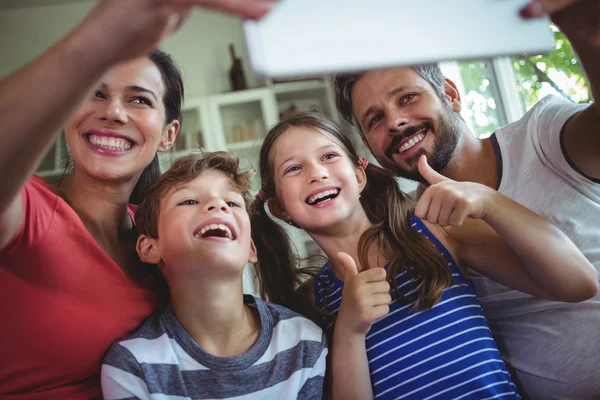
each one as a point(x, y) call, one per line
point(215, 229)
point(323, 196)
point(408, 143)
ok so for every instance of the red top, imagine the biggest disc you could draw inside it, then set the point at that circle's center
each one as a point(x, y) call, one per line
point(63, 301)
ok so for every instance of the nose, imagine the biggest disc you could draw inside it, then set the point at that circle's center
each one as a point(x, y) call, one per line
point(317, 172)
point(217, 204)
point(395, 121)
point(113, 112)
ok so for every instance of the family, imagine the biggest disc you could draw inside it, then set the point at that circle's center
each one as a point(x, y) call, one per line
point(120, 282)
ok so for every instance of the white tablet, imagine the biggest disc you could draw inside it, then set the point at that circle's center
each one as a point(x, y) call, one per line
point(309, 37)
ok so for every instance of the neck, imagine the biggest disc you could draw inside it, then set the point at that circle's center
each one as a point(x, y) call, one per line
point(345, 237)
point(474, 161)
point(101, 205)
point(214, 314)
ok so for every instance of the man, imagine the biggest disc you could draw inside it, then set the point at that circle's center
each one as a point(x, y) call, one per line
point(548, 161)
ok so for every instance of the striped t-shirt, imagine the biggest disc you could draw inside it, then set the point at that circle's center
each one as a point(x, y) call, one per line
point(446, 352)
point(162, 361)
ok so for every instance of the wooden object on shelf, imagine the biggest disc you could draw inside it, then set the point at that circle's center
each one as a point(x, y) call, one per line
point(236, 73)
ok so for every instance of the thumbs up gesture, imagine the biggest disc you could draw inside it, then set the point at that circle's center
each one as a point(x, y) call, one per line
point(447, 202)
point(365, 297)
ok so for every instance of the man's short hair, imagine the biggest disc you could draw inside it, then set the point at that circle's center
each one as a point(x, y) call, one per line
point(344, 83)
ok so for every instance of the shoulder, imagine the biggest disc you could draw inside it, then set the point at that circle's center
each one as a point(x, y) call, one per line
point(150, 337)
point(550, 112)
point(287, 322)
point(445, 238)
point(38, 209)
point(37, 190)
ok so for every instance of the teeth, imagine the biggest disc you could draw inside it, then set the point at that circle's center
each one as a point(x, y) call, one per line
point(322, 194)
point(411, 142)
point(214, 227)
point(110, 143)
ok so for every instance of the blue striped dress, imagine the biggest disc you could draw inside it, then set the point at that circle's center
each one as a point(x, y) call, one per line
point(446, 352)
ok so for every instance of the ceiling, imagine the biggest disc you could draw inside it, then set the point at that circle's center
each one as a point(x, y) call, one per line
point(14, 4)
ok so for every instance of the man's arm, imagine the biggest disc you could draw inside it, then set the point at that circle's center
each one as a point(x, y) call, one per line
point(579, 20)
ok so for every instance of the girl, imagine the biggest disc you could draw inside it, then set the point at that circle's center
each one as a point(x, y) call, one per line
point(429, 338)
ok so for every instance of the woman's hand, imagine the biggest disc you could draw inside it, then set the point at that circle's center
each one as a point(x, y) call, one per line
point(446, 202)
point(123, 30)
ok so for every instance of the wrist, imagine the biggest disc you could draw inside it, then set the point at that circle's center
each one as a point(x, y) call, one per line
point(490, 204)
point(346, 332)
point(88, 45)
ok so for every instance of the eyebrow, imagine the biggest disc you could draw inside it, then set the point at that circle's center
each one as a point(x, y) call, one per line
point(135, 88)
point(372, 109)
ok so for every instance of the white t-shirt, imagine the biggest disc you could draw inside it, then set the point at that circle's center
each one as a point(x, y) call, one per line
point(553, 347)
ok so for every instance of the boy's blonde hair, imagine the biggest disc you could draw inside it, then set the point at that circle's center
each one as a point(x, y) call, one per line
point(184, 170)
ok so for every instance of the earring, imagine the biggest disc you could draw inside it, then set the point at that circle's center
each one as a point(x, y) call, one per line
point(290, 222)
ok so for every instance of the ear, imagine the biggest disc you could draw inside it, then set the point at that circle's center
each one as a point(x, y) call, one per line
point(253, 256)
point(168, 137)
point(147, 249)
point(277, 209)
point(361, 177)
point(453, 95)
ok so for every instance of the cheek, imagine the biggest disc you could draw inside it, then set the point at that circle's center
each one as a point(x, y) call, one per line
point(79, 118)
point(288, 194)
point(150, 125)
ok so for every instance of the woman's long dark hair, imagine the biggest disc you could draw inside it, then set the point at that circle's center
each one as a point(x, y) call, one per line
point(173, 99)
point(389, 210)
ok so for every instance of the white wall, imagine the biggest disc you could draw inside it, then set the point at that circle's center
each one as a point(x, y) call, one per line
point(200, 48)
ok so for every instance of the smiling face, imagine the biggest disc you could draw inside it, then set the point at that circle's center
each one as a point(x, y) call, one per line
point(317, 185)
point(402, 118)
point(203, 228)
point(118, 130)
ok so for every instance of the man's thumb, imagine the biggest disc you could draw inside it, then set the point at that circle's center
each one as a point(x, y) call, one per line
point(429, 174)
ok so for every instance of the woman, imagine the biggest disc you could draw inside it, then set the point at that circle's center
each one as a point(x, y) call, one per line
point(69, 281)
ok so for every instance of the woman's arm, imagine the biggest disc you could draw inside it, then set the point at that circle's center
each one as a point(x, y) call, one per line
point(518, 248)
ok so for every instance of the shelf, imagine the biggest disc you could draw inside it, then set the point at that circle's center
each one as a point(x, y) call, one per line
point(299, 86)
point(240, 97)
point(300, 91)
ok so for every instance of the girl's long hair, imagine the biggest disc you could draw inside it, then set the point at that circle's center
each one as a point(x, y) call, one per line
point(388, 209)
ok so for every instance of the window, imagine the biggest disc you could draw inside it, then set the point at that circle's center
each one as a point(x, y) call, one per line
point(558, 72)
point(476, 83)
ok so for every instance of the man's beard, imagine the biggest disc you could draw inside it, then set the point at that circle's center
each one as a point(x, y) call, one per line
point(444, 146)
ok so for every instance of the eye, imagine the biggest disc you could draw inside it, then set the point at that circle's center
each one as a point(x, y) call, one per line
point(99, 94)
point(407, 98)
point(233, 204)
point(330, 156)
point(374, 120)
point(189, 202)
point(293, 168)
point(141, 100)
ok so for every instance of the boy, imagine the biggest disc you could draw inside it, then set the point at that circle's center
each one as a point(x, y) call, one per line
point(211, 341)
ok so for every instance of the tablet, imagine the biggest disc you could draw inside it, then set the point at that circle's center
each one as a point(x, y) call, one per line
point(313, 37)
